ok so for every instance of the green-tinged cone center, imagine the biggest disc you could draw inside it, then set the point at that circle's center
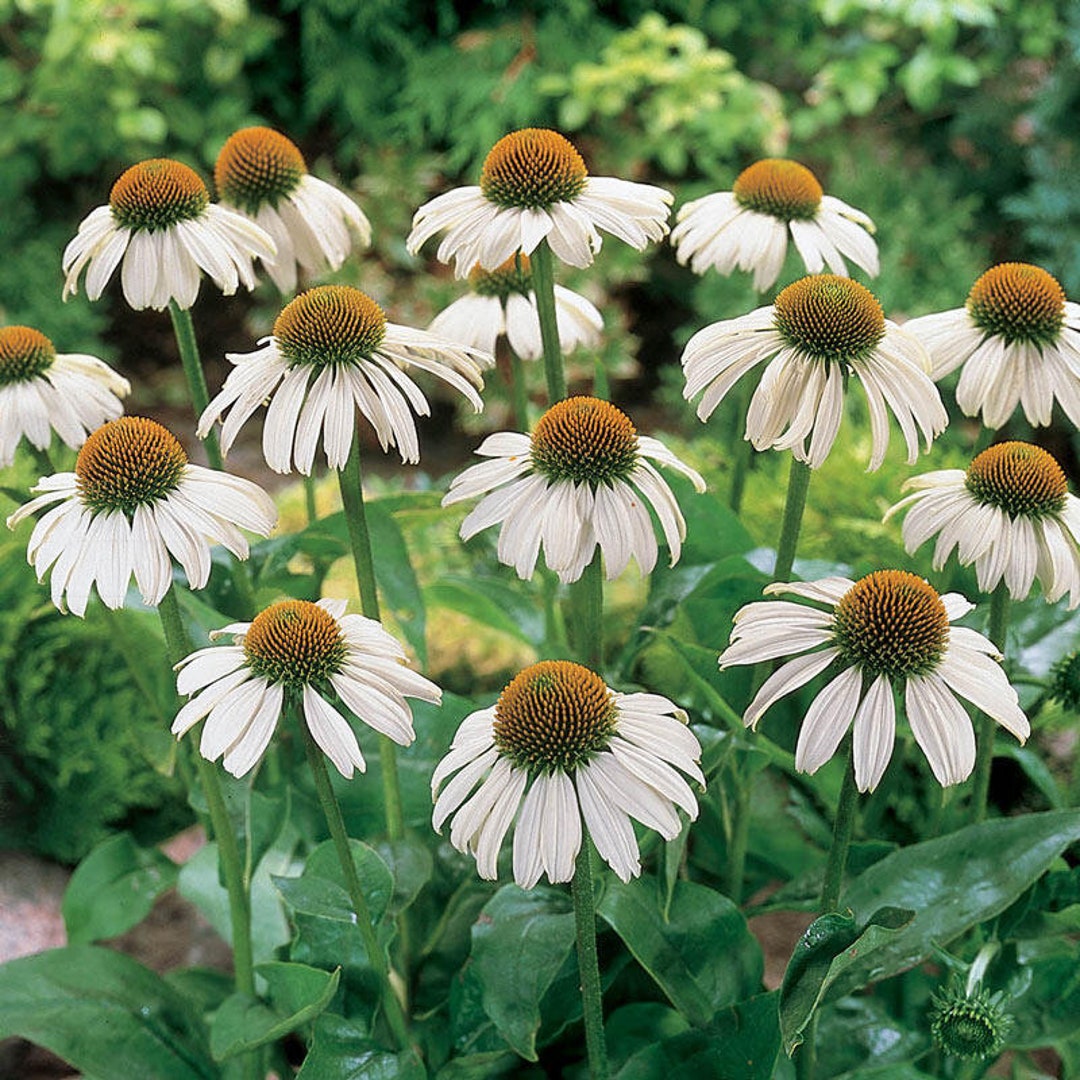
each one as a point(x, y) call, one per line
point(331, 324)
point(25, 354)
point(1019, 303)
point(257, 166)
point(780, 188)
point(830, 318)
point(532, 169)
point(294, 642)
point(514, 276)
point(585, 440)
point(128, 463)
point(891, 623)
point(968, 1027)
point(1021, 479)
point(554, 715)
point(157, 194)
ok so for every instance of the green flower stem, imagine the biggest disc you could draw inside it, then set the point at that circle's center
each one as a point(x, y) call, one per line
point(584, 614)
point(232, 867)
point(588, 965)
point(310, 509)
point(601, 386)
point(543, 277)
point(843, 826)
point(395, 1017)
point(519, 390)
point(984, 755)
point(184, 329)
point(795, 504)
point(350, 480)
point(842, 829)
point(741, 450)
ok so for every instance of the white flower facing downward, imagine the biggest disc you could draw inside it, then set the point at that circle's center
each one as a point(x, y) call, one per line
point(1010, 514)
point(582, 479)
point(559, 748)
point(888, 633)
point(1017, 340)
point(161, 224)
point(42, 391)
point(263, 175)
point(333, 352)
point(748, 226)
point(534, 187)
point(313, 654)
point(821, 331)
point(132, 501)
point(502, 302)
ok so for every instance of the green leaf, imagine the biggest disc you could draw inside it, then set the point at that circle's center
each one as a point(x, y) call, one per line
point(741, 1043)
point(489, 602)
point(859, 1037)
point(952, 883)
point(680, 952)
point(1045, 1012)
point(480, 1066)
point(411, 866)
point(342, 1049)
point(114, 888)
point(398, 588)
point(298, 993)
point(519, 943)
point(830, 945)
point(104, 1014)
point(376, 880)
point(198, 882)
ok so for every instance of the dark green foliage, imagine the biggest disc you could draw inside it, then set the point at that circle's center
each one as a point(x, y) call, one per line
point(84, 720)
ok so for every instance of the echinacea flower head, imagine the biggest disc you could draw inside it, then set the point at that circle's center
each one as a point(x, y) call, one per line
point(332, 352)
point(534, 186)
point(263, 175)
point(161, 223)
point(308, 656)
point(1017, 340)
point(888, 633)
point(971, 1026)
point(1010, 513)
point(583, 479)
point(821, 331)
point(557, 748)
point(748, 227)
point(133, 501)
point(42, 391)
point(502, 301)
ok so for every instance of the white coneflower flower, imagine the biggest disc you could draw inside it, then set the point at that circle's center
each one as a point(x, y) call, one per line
point(748, 226)
point(582, 479)
point(314, 654)
point(502, 301)
point(820, 331)
point(1010, 514)
point(132, 501)
point(889, 632)
point(262, 174)
point(42, 391)
point(534, 186)
point(161, 223)
point(1018, 340)
point(333, 352)
point(557, 747)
